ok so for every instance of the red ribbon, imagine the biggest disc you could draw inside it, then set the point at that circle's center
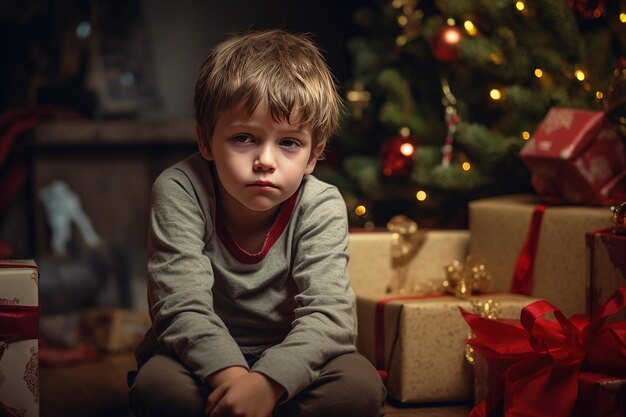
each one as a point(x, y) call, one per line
point(17, 323)
point(523, 272)
point(535, 363)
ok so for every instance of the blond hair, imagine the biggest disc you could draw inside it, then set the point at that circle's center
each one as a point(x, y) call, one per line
point(286, 71)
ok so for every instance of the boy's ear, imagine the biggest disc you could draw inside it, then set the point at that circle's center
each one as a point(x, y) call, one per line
point(317, 152)
point(203, 144)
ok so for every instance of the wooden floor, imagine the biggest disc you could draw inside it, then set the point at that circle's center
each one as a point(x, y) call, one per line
point(98, 389)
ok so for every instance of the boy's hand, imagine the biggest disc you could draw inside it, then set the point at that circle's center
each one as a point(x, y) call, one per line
point(227, 374)
point(250, 395)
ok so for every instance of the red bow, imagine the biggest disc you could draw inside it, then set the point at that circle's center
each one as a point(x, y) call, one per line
point(534, 364)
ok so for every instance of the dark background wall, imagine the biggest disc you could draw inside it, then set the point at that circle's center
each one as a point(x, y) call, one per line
point(44, 61)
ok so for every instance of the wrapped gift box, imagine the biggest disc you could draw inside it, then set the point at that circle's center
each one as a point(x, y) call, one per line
point(499, 227)
point(547, 364)
point(19, 324)
point(421, 343)
point(576, 157)
point(606, 266)
point(370, 258)
point(600, 395)
point(113, 329)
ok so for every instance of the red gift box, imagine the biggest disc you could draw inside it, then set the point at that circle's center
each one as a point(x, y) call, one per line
point(577, 157)
point(606, 267)
point(600, 395)
point(536, 364)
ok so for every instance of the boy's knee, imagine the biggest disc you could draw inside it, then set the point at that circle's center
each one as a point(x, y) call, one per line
point(166, 394)
point(364, 392)
point(347, 386)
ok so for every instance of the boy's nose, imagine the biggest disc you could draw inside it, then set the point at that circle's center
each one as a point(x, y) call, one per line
point(265, 161)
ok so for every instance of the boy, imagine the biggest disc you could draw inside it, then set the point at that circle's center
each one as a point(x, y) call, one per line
point(248, 289)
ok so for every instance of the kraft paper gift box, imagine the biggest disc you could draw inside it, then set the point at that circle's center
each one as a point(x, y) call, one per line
point(499, 227)
point(19, 326)
point(577, 157)
point(420, 341)
point(370, 263)
point(114, 330)
point(606, 267)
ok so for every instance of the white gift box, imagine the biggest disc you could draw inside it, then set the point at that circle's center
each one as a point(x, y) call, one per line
point(19, 360)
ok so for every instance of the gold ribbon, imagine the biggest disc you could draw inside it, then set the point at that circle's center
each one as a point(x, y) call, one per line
point(405, 243)
point(489, 309)
point(466, 278)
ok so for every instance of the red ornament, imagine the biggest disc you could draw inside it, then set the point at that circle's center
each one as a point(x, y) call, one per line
point(396, 156)
point(588, 9)
point(444, 43)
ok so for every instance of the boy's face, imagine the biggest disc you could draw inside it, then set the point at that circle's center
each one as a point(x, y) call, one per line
point(260, 162)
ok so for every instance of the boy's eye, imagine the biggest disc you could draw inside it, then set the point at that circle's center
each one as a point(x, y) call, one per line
point(243, 139)
point(289, 143)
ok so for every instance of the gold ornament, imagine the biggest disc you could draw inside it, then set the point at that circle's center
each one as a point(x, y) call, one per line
point(467, 278)
point(619, 216)
point(405, 242)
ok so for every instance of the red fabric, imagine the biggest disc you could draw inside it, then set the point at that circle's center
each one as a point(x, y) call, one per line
point(13, 124)
point(523, 272)
point(5, 411)
point(538, 361)
point(276, 230)
point(50, 356)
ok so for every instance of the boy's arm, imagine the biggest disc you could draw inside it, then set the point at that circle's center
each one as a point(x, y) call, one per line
point(325, 323)
point(180, 279)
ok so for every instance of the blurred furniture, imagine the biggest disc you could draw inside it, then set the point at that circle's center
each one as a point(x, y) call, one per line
point(111, 166)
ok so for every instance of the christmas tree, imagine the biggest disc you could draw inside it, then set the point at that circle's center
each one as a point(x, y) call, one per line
point(444, 95)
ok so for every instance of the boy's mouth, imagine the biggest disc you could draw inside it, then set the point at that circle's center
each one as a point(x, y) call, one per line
point(263, 184)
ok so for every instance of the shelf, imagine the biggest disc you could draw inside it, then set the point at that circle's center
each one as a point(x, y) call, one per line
point(116, 133)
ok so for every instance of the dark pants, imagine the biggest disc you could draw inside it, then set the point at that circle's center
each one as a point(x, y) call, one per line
point(348, 385)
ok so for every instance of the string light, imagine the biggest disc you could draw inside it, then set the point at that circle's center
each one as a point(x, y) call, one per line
point(403, 20)
point(622, 17)
point(360, 210)
point(466, 166)
point(495, 94)
point(580, 75)
point(421, 195)
point(397, 4)
point(407, 149)
point(358, 99)
point(450, 21)
point(496, 58)
point(538, 73)
point(401, 40)
point(519, 5)
point(405, 131)
point(599, 95)
point(470, 28)
point(525, 135)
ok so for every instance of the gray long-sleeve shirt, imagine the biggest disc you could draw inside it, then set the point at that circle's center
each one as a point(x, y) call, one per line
point(291, 305)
